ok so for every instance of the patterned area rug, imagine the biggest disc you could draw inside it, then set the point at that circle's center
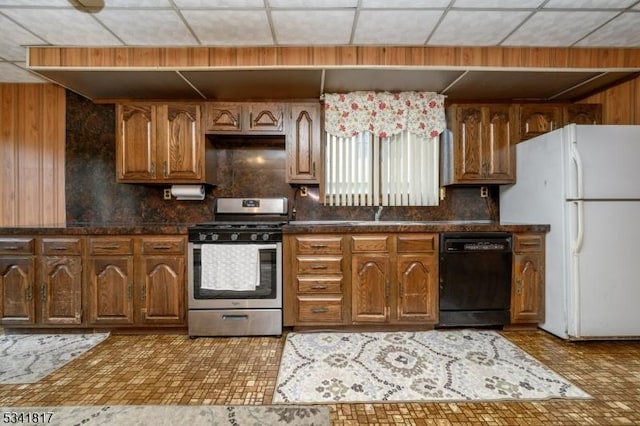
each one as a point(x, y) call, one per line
point(438, 365)
point(170, 415)
point(28, 358)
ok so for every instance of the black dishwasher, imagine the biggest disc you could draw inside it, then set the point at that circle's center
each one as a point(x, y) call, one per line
point(475, 279)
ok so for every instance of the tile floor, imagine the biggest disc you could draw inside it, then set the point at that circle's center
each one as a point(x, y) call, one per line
point(173, 369)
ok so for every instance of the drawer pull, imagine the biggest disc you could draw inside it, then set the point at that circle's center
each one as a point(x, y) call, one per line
point(318, 287)
point(162, 246)
point(59, 248)
point(318, 246)
point(11, 248)
point(319, 266)
point(319, 310)
point(529, 243)
point(111, 247)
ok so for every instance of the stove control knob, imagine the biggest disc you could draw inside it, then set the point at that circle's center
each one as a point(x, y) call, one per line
point(254, 237)
point(234, 236)
point(202, 236)
point(214, 237)
point(265, 236)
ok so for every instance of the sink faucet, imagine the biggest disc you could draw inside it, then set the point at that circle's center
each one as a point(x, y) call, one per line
point(378, 213)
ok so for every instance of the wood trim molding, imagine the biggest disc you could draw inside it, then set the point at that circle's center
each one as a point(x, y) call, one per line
point(173, 58)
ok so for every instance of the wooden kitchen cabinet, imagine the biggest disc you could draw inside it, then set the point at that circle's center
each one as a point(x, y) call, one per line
point(370, 278)
point(159, 143)
point(304, 160)
point(17, 275)
point(537, 119)
point(417, 278)
point(478, 149)
point(245, 118)
point(161, 280)
point(60, 278)
point(527, 292)
point(109, 281)
point(314, 292)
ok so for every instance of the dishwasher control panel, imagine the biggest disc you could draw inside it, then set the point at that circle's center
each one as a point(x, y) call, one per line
point(475, 242)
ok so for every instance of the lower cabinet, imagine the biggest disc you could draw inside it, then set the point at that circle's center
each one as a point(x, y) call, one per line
point(527, 291)
point(93, 281)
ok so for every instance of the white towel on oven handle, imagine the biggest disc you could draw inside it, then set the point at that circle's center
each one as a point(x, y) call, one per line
point(233, 267)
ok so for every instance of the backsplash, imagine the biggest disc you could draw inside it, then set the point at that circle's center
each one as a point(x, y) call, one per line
point(93, 197)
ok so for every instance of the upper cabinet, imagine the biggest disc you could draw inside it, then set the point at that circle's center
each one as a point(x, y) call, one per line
point(478, 149)
point(245, 118)
point(159, 143)
point(536, 119)
point(303, 144)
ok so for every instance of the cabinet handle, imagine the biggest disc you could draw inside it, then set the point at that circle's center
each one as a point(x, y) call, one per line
point(113, 246)
point(251, 120)
point(43, 292)
point(59, 248)
point(529, 243)
point(519, 286)
point(130, 292)
point(318, 266)
point(319, 310)
point(161, 246)
point(318, 246)
point(30, 292)
point(318, 287)
point(314, 169)
point(143, 296)
point(153, 168)
point(11, 248)
point(164, 168)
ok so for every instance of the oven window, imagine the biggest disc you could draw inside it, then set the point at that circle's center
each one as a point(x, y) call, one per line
point(265, 290)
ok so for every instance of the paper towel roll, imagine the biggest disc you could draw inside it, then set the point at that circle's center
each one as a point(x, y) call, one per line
point(188, 192)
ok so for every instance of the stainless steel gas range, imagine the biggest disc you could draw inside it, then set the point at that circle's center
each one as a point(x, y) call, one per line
point(235, 269)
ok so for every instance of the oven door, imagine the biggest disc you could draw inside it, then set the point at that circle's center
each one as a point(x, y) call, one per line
point(267, 293)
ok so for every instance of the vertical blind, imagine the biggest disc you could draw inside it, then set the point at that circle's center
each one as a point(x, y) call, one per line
point(381, 148)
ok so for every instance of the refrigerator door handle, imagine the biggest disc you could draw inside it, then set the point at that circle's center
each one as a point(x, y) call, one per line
point(575, 156)
point(577, 242)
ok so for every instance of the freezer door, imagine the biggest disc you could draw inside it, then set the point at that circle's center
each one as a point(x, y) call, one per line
point(603, 283)
point(602, 161)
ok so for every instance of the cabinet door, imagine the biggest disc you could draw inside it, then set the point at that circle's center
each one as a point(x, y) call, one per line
point(136, 142)
point(582, 114)
point(370, 288)
point(417, 288)
point(538, 119)
point(180, 143)
point(498, 155)
point(303, 144)
point(265, 118)
point(468, 144)
point(109, 288)
point(17, 302)
point(223, 117)
point(527, 298)
point(162, 293)
point(61, 290)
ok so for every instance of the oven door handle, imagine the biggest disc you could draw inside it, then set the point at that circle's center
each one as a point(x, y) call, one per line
point(235, 317)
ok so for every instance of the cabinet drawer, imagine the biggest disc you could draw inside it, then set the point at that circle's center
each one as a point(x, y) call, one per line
point(16, 245)
point(320, 284)
point(528, 243)
point(61, 246)
point(370, 243)
point(319, 245)
point(173, 245)
point(110, 246)
point(319, 265)
point(319, 309)
point(417, 243)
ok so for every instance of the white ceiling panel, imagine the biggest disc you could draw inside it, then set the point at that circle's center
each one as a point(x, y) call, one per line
point(230, 27)
point(212, 4)
point(622, 31)
point(13, 39)
point(589, 4)
point(395, 26)
point(551, 28)
point(13, 73)
point(404, 4)
point(305, 4)
point(137, 3)
point(147, 27)
point(320, 27)
point(489, 28)
point(31, 3)
point(506, 4)
point(63, 26)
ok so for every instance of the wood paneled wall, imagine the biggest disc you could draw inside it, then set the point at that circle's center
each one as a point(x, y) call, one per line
point(620, 104)
point(32, 138)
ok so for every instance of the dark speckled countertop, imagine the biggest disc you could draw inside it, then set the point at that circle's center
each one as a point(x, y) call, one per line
point(318, 226)
point(110, 229)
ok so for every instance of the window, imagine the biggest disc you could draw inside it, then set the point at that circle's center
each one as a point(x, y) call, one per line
point(382, 148)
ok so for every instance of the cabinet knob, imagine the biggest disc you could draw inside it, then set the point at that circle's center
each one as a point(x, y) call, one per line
point(519, 286)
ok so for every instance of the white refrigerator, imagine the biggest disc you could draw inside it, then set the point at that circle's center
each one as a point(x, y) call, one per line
point(584, 181)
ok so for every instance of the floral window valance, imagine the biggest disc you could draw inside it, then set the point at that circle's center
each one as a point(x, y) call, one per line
point(383, 113)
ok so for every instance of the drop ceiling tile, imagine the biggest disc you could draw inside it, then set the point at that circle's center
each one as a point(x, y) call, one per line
point(213, 4)
point(404, 4)
point(12, 40)
point(229, 27)
point(588, 4)
point(320, 27)
point(489, 27)
point(395, 26)
point(30, 3)
point(556, 28)
point(507, 4)
point(147, 27)
point(304, 4)
point(138, 4)
point(622, 31)
point(63, 26)
point(13, 73)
